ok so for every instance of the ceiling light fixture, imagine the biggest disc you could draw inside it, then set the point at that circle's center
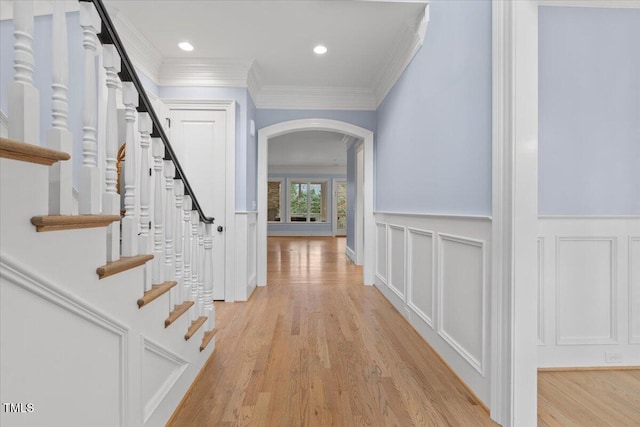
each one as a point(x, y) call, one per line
point(186, 46)
point(320, 50)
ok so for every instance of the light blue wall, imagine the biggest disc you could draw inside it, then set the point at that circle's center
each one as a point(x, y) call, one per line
point(147, 83)
point(433, 148)
point(42, 76)
point(304, 226)
point(589, 129)
point(268, 117)
point(351, 196)
point(240, 95)
point(252, 157)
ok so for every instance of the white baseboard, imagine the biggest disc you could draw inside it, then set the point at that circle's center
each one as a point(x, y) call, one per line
point(351, 254)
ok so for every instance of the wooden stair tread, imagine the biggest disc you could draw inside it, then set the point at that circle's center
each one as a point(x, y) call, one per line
point(10, 149)
point(155, 292)
point(195, 325)
point(208, 336)
point(71, 222)
point(178, 311)
point(123, 264)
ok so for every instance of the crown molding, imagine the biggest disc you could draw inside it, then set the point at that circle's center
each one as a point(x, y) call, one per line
point(204, 72)
point(142, 52)
point(254, 81)
point(315, 98)
point(406, 47)
point(616, 4)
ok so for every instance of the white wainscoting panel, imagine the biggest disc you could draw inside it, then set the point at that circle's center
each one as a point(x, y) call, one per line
point(589, 297)
point(420, 273)
point(438, 276)
point(462, 297)
point(634, 291)
point(396, 255)
point(541, 303)
point(381, 252)
point(586, 283)
point(245, 255)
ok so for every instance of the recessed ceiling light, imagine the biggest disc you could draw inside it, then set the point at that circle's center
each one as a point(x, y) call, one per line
point(320, 50)
point(186, 46)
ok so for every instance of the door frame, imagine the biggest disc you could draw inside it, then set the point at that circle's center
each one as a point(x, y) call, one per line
point(229, 107)
point(282, 128)
point(334, 205)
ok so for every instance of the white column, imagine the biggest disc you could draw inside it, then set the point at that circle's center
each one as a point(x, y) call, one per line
point(200, 301)
point(23, 98)
point(178, 190)
point(209, 309)
point(111, 198)
point(59, 137)
point(89, 191)
point(129, 223)
point(144, 127)
point(186, 240)
point(194, 263)
point(158, 237)
point(169, 210)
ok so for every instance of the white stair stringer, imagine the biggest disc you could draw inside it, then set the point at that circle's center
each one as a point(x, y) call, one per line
point(58, 339)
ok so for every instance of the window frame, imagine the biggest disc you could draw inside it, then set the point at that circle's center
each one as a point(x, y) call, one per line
point(283, 201)
point(327, 186)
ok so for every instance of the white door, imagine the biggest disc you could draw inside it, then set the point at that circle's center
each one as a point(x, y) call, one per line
point(199, 138)
point(339, 207)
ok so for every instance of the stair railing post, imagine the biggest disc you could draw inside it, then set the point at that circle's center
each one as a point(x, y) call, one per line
point(158, 237)
point(129, 224)
point(169, 210)
point(111, 198)
point(186, 238)
point(144, 127)
point(89, 181)
point(209, 309)
point(194, 263)
point(23, 99)
point(200, 301)
point(59, 137)
point(178, 190)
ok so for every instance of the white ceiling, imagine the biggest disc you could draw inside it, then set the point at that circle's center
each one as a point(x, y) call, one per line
point(311, 149)
point(268, 44)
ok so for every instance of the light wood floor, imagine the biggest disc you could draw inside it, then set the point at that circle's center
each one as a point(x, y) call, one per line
point(316, 347)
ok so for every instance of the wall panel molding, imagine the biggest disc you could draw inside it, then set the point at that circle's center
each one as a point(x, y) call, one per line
point(381, 252)
point(541, 302)
point(421, 272)
point(396, 255)
point(634, 289)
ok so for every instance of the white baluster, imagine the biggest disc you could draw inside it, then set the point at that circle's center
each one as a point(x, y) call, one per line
point(186, 230)
point(209, 309)
point(23, 98)
point(194, 263)
point(129, 223)
point(111, 198)
point(89, 191)
point(200, 269)
point(178, 190)
point(169, 209)
point(158, 237)
point(145, 127)
point(59, 137)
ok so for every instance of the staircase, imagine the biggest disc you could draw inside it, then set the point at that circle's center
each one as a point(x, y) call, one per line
point(105, 319)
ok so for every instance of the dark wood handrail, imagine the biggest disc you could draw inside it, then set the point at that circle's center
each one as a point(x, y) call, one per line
point(109, 35)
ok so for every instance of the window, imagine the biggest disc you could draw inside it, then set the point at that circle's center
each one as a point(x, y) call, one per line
point(307, 201)
point(274, 197)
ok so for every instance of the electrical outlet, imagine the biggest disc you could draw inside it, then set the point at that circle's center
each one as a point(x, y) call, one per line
point(613, 357)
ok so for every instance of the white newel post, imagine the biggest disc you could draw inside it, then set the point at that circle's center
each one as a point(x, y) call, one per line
point(169, 209)
point(59, 137)
point(158, 238)
point(178, 190)
point(129, 223)
point(186, 238)
point(89, 181)
point(194, 263)
point(209, 309)
point(144, 127)
point(22, 96)
point(200, 269)
point(111, 198)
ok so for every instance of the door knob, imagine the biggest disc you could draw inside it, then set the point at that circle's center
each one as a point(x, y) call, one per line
point(220, 229)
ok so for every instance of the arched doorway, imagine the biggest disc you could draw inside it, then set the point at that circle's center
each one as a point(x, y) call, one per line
point(366, 135)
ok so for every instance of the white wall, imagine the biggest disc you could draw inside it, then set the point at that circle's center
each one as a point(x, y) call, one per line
point(435, 270)
point(589, 291)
